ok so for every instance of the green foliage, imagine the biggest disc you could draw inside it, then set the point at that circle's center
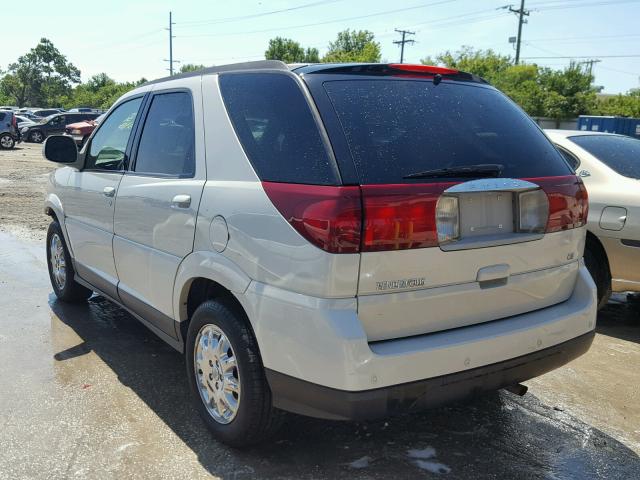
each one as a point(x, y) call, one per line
point(191, 67)
point(623, 105)
point(100, 91)
point(539, 91)
point(290, 51)
point(41, 77)
point(353, 46)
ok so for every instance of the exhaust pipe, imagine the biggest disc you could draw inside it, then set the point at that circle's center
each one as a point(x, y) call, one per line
point(517, 389)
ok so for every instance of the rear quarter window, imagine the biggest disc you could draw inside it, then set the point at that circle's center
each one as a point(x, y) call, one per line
point(396, 127)
point(618, 152)
point(276, 127)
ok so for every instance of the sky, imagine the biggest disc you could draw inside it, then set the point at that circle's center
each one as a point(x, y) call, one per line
point(127, 39)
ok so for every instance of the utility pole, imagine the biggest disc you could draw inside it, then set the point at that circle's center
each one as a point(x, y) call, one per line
point(171, 37)
point(521, 12)
point(589, 64)
point(403, 41)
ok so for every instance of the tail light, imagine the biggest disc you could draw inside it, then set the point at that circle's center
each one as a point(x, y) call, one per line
point(568, 202)
point(329, 217)
point(373, 218)
point(399, 217)
point(14, 122)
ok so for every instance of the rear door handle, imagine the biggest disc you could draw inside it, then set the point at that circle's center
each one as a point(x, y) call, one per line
point(109, 191)
point(181, 201)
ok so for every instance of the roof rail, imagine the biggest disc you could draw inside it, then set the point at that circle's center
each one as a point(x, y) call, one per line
point(232, 67)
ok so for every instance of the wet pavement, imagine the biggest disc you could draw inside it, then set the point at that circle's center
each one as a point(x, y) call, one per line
point(88, 392)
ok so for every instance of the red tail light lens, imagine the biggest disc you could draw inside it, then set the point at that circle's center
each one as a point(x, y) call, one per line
point(329, 217)
point(399, 217)
point(426, 69)
point(373, 218)
point(568, 202)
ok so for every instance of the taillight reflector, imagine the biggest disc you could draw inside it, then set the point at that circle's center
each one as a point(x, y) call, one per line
point(329, 217)
point(568, 202)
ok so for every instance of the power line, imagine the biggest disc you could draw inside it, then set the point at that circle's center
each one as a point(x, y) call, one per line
point(337, 20)
point(255, 15)
point(402, 42)
point(583, 56)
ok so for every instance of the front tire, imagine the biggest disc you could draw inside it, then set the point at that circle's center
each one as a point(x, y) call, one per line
point(61, 272)
point(226, 376)
point(7, 142)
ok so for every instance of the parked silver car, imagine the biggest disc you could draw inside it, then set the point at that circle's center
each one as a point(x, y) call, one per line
point(340, 241)
point(610, 168)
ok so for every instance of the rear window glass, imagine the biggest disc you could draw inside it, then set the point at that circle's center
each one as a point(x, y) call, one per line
point(400, 127)
point(620, 153)
point(278, 132)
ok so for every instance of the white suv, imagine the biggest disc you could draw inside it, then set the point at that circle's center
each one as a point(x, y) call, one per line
point(340, 241)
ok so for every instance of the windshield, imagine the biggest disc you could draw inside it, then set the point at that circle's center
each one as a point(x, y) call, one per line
point(618, 152)
point(396, 128)
point(46, 119)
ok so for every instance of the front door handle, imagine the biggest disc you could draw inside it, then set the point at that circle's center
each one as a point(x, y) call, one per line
point(108, 191)
point(181, 201)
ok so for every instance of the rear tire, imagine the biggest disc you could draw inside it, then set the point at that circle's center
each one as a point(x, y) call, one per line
point(248, 417)
point(596, 262)
point(61, 272)
point(7, 142)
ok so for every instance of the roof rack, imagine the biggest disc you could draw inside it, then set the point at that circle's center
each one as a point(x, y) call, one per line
point(232, 67)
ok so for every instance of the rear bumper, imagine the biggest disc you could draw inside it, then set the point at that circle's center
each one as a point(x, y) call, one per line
point(314, 400)
point(317, 348)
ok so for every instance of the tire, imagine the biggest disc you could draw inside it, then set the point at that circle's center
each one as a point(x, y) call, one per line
point(36, 136)
point(60, 265)
point(596, 262)
point(7, 142)
point(253, 419)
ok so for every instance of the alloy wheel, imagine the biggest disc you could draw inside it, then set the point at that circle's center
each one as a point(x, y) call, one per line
point(217, 374)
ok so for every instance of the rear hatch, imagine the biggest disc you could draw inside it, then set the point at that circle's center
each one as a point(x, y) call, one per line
point(469, 214)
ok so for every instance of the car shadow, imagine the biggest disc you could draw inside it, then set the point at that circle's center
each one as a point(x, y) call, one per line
point(620, 318)
point(497, 435)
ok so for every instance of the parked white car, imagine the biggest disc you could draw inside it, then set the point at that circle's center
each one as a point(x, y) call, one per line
point(340, 241)
point(609, 165)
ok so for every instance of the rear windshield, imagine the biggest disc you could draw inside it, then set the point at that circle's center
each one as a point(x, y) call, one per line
point(277, 130)
point(619, 153)
point(400, 127)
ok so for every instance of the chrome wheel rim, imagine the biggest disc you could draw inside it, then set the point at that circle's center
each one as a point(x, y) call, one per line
point(58, 262)
point(217, 374)
point(36, 137)
point(6, 141)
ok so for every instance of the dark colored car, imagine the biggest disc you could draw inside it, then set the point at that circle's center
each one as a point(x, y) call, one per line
point(53, 125)
point(9, 134)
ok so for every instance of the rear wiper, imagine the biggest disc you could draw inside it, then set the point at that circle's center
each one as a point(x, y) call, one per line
point(482, 170)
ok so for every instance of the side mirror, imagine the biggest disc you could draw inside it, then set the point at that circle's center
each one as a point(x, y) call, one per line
point(62, 149)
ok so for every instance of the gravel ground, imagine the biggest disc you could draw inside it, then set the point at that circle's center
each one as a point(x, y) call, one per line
point(23, 178)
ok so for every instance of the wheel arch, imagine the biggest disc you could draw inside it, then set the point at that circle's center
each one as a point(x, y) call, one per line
point(204, 276)
point(600, 250)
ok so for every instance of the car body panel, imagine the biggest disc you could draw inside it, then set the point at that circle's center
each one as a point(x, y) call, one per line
point(606, 189)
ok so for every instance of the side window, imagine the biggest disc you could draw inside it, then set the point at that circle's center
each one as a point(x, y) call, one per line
point(107, 149)
point(2, 115)
point(276, 128)
point(55, 121)
point(167, 140)
point(570, 158)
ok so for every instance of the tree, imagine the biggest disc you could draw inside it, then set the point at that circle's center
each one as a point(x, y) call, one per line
point(353, 46)
point(539, 91)
point(191, 67)
point(43, 76)
point(290, 51)
point(623, 105)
